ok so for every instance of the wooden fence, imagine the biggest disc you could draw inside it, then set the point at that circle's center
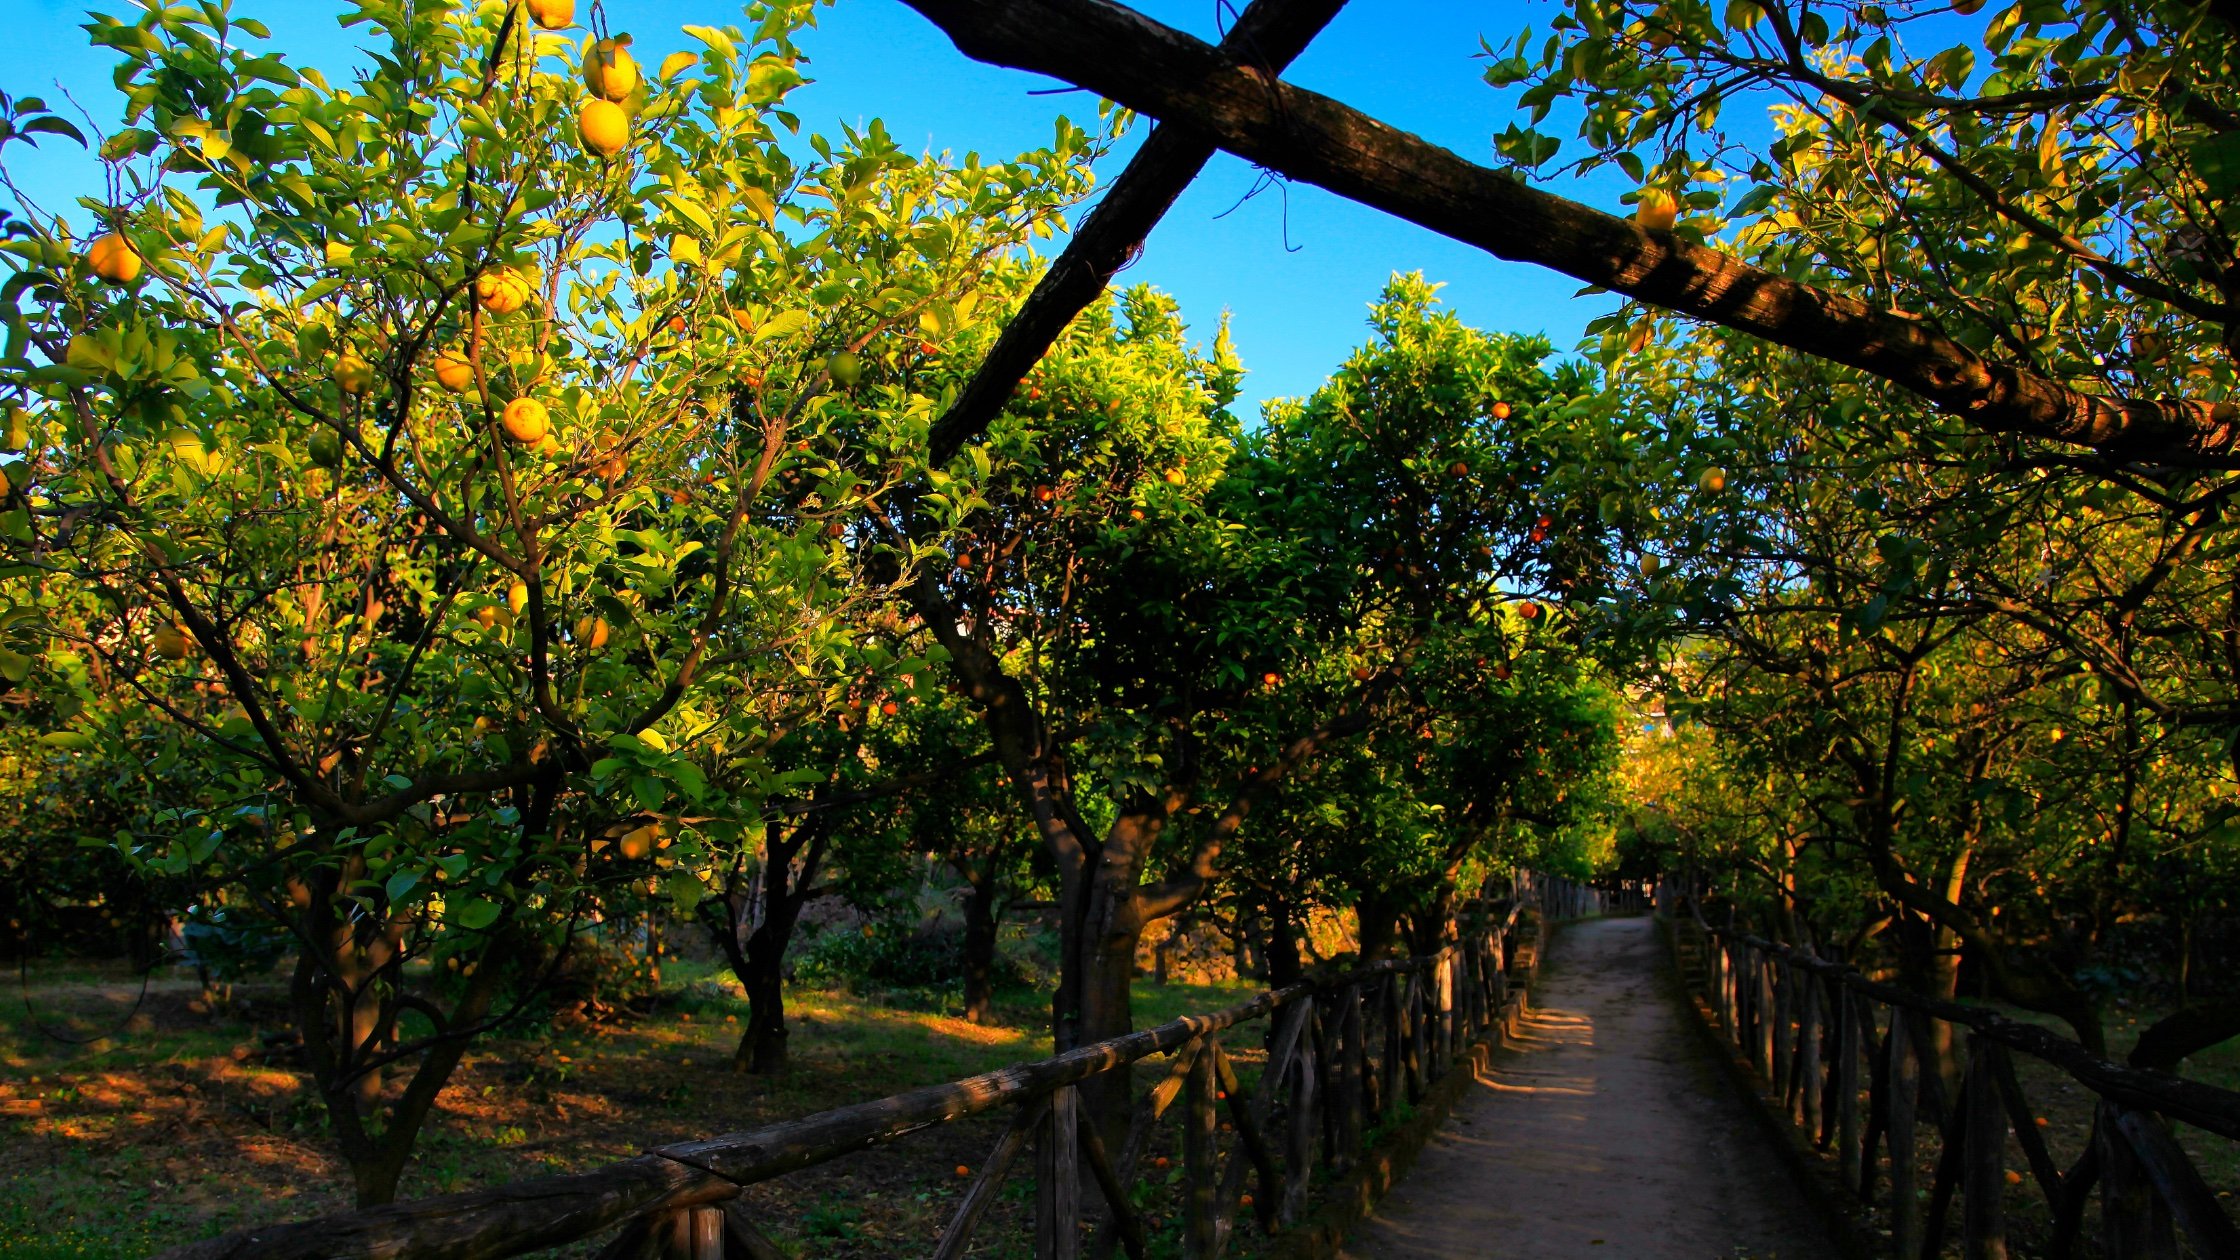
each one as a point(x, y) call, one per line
point(1343, 1054)
point(1564, 898)
point(1850, 1062)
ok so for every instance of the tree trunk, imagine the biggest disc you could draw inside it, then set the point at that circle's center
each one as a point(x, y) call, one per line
point(1377, 926)
point(1286, 965)
point(759, 963)
point(980, 942)
point(762, 1047)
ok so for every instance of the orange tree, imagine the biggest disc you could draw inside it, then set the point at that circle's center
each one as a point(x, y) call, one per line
point(1161, 618)
point(436, 451)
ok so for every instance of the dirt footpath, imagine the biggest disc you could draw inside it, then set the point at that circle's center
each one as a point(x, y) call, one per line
point(1606, 1131)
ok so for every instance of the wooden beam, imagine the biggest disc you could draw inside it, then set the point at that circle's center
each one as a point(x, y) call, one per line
point(1167, 74)
point(1268, 35)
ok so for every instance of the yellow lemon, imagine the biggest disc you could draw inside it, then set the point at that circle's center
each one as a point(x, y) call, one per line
point(553, 15)
point(454, 371)
point(502, 290)
point(352, 374)
point(609, 71)
point(113, 258)
point(1655, 210)
point(517, 597)
point(591, 632)
point(603, 128)
point(527, 421)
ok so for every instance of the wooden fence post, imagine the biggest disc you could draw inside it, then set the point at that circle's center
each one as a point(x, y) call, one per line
point(1983, 1226)
point(1846, 1098)
point(1057, 1187)
point(1302, 1126)
point(1780, 1072)
point(1352, 1066)
point(1762, 1046)
point(1813, 1084)
point(2134, 1223)
point(1904, 1103)
point(1200, 1170)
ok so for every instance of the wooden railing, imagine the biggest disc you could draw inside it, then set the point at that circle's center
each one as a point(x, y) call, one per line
point(1849, 1061)
point(1343, 1056)
point(1562, 897)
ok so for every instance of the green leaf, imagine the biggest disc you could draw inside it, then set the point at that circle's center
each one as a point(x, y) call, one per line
point(474, 914)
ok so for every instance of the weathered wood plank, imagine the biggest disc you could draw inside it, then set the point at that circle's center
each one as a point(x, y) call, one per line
point(2134, 1224)
point(1904, 1102)
point(2178, 1185)
point(1983, 1226)
point(1254, 1144)
point(1201, 1177)
point(1114, 1189)
point(1057, 1218)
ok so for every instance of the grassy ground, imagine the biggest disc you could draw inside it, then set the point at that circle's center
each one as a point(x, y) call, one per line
point(131, 1123)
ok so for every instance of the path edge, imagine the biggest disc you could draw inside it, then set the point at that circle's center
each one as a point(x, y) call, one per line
point(1816, 1182)
point(1350, 1201)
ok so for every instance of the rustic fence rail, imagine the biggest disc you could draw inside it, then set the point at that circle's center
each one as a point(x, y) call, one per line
point(1850, 1063)
point(1344, 1054)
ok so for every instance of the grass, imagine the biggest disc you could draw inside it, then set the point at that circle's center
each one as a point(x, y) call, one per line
point(163, 1127)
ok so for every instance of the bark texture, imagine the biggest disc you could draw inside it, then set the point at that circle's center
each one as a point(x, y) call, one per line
point(1243, 108)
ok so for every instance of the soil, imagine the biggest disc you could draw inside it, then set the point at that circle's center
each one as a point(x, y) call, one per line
point(1606, 1129)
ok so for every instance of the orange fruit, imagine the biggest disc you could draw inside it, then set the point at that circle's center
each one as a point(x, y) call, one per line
point(527, 421)
point(455, 372)
point(1501, 411)
point(591, 632)
point(638, 845)
point(1656, 210)
point(1176, 476)
point(608, 69)
point(113, 258)
point(603, 127)
point(552, 15)
point(502, 290)
point(963, 1171)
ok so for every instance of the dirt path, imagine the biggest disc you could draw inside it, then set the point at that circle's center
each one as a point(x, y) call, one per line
point(1607, 1131)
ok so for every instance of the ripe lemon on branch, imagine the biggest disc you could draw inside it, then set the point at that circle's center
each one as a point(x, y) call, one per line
point(603, 127)
point(552, 15)
point(113, 258)
point(526, 421)
point(352, 375)
point(608, 69)
point(502, 290)
point(455, 372)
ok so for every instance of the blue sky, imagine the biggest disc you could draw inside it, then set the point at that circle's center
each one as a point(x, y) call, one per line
point(1296, 311)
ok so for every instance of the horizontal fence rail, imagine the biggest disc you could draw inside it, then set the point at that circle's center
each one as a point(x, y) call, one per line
point(1851, 1063)
point(1344, 1056)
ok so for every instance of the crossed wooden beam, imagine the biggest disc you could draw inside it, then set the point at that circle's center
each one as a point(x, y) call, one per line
point(1232, 97)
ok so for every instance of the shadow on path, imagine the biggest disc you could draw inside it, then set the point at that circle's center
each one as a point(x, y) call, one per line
point(1604, 1130)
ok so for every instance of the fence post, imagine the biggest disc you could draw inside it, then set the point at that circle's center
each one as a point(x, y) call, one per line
point(1200, 1172)
point(1904, 1103)
point(1768, 1016)
point(2134, 1223)
point(1784, 1013)
point(1813, 1088)
point(1846, 1101)
point(1302, 1127)
point(1983, 1223)
point(1057, 1188)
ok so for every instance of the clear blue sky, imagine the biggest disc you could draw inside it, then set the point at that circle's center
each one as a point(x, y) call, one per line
point(1296, 312)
